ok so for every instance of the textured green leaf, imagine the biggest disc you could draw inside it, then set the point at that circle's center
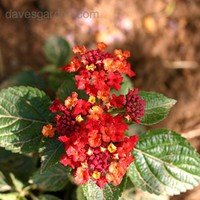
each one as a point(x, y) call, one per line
point(21, 166)
point(23, 113)
point(67, 88)
point(25, 78)
point(48, 197)
point(54, 178)
point(57, 50)
point(92, 192)
point(165, 163)
point(51, 153)
point(157, 107)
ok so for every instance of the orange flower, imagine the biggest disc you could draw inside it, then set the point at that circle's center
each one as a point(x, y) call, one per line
point(103, 95)
point(101, 46)
point(122, 55)
point(73, 66)
point(116, 173)
point(48, 130)
point(71, 100)
point(95, 112)
point(81, 176)
point(79, 49)
point(109, 64)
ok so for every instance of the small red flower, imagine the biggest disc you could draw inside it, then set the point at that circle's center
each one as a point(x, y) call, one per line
point(114, 80)
point(81, 107)
point(57, 106)
point(74, 65)
point(118, 101)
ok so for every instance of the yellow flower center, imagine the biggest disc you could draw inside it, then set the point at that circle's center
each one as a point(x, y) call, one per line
point(79, 118)
point(84, 165)
point(89, 152)
point(90, 67)
point(96, 175)
point(112, 148)
point(92, 99)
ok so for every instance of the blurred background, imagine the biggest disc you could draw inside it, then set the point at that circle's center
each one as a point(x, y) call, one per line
point(162, 35)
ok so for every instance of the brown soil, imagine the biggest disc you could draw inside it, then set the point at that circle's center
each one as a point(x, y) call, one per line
point(163, 36)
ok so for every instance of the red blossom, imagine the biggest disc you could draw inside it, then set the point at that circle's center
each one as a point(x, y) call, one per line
point(81, 107)
point(57, 106)
point(118, 101)
point(115, 80)
point(74, 65)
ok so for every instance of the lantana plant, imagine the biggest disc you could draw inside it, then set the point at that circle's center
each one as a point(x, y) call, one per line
point(84, 135)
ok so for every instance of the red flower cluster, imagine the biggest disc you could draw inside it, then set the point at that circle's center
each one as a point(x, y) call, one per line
point(96, 146)
point(99, 71)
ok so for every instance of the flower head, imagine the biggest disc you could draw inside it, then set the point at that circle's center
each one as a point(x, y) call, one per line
point(98, 71)
point(96, 146)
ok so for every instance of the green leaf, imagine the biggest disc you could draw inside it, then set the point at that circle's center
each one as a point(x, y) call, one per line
point(11, 196)
point(17, 184)
point(129, 191)
point(57, 50)
point(55, 81)
point(157, 107)
point(80, 194)
point(165, 163)
point(92, 192)
point(20, 165)
point(25, 78)
point(135, 129)
point(54, 178)
point(51, 153)
point(126, 85)
point(48, 197)
point(4, 186)
point(51, 69)
point(67, 88)
point(23, 113)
